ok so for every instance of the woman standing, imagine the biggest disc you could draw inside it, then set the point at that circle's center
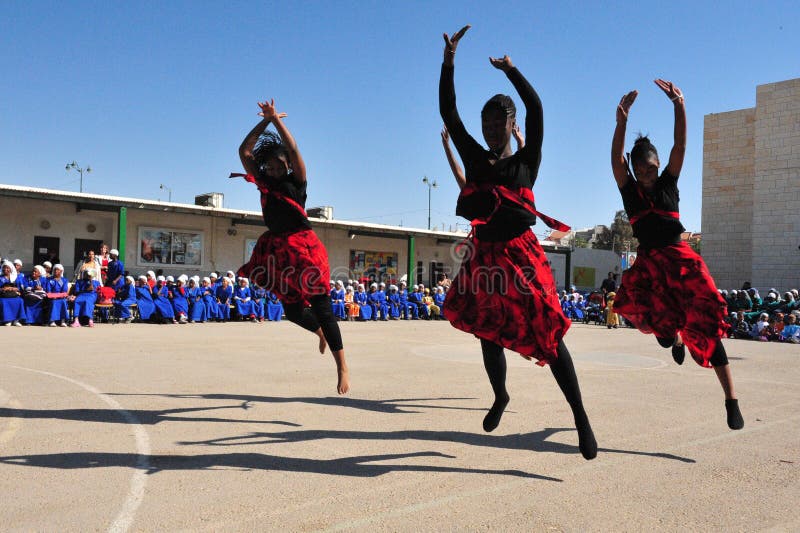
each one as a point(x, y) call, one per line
point(497, 197)
point(289, 258)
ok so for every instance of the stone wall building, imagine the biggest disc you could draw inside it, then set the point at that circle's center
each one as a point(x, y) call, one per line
point(751, 166)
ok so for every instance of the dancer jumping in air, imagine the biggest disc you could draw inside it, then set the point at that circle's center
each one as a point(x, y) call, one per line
point(668, 291)
point(504, 292)
point(288, 258)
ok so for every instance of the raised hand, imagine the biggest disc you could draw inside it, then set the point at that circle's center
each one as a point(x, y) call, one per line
point(517, 133)
point(669, 89)
point(445, 135)
point(268, 110)
point(503, 63)
point(624, 106)
point(451, 43)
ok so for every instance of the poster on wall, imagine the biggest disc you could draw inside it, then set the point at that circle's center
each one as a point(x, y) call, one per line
point(373, 266)
point(158, 246)
point(583, 276)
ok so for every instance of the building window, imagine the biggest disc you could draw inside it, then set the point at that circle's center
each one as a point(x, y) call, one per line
point(160, 246)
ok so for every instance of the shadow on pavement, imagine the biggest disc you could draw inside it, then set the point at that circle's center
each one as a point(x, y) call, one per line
point(534, 441)
point(359, 466)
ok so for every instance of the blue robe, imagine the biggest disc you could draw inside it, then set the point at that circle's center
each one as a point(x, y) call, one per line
point(274, 307)
point(116, 269)
point(224, 295)
point(144, 301)
point(180, 304)
point(161, 300)
point(197, 308)
point(438, 299)
point(59, 309)
point(210, 302)
point(11, 309)
point(85, 297)
point(244, 307)
point(394, 304)
point(125, 298)
point(415, 298)
point(362, 300)
point(407, 307)
point(259, 295)
point(377, 300)
point(337, 304)
point(35, 309)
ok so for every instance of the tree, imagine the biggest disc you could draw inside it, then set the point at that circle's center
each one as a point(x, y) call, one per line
point(604, 240)
point(622, 233)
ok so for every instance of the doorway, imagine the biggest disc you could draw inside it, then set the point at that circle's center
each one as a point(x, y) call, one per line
point(45, 249)
point(82, 247)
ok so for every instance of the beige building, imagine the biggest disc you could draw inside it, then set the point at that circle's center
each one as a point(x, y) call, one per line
point(40, 224)
point(751, 166)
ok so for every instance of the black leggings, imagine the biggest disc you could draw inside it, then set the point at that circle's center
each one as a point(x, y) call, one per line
point(563, 370)
point(718, 358)
point(320, 315)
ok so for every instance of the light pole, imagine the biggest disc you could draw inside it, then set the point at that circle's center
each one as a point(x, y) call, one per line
point(168, 189)
point(431, 185)
point(74, 166)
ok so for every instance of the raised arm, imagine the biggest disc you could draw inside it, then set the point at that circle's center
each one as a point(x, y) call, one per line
point(534, 114)
point(462, 140)
point(295, 159)
point(458, 172)
point(679, 145)
point(249, 143)
point(618, 163)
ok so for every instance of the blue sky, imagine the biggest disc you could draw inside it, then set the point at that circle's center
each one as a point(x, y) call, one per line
point(152, 93)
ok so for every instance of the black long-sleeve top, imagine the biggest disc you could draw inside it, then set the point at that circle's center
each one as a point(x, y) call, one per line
point(484, 166)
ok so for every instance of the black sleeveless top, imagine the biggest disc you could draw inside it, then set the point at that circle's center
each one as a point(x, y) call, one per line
point(652, 226)
point(281, 216)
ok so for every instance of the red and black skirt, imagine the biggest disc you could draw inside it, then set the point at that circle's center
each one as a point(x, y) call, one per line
point(293, 265)
point(669, 290)
point(504, 293)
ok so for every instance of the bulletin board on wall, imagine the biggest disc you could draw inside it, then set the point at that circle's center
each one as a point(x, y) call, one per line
point(371, 265)
point(161, 246)
point(583, 276)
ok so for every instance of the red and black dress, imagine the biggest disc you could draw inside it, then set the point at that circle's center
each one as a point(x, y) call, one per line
point(504, 290)
point(668, 289)
point(288, 259)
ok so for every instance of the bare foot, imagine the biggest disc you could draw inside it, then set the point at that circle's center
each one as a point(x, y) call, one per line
point(344, 381)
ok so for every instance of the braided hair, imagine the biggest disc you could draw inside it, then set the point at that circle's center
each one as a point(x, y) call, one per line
point(268, 146)
point(502, 103)
point(642, 149)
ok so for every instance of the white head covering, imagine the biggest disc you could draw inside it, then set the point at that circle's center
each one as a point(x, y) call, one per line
point(151, 273)
point(142, 278)
point(373, 285)
point(207, 279)
point(170, 278)
point(58, 266)
point(12, 276)
point(349, 288)
point(183, 277)
point(381, 284)
point(47, 264)
point(18, 262)
point(161, 278)
point(114, 251)
point(129, 278)
point(213, 275)
point(230, 274)
point(196, 278)
point(40, 269)
point(339, 284)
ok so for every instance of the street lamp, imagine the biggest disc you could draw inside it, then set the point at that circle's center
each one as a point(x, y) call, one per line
point(74, 166)
point(431, 185)
point(168, 189)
